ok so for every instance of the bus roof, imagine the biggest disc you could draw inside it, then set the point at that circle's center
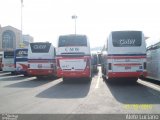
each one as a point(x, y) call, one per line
point(70, 35)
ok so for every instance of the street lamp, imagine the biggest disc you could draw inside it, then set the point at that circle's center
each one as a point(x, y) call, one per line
point(21, 23)
point(74, 17)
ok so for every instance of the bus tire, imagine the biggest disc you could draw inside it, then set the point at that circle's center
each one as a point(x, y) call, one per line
point(25, 75)
point(104, 77)
point(108, 80)
point(64, 80)
point(39, 77)
point(134, 80)
point(89, 79)
point(13, 73)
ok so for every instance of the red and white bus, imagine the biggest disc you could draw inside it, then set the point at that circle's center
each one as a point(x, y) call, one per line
point(73, 57)
point(124, 55)
point(21, 61)
point(41, 59)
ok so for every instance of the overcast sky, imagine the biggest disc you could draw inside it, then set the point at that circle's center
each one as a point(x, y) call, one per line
point(45, 20)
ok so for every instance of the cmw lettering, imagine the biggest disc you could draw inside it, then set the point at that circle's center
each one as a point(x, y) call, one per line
point(127, 41)
point(39, 46)
point(71, 49)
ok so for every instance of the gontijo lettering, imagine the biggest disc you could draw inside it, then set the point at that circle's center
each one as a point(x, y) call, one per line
point(127, 41)
point(39, 46)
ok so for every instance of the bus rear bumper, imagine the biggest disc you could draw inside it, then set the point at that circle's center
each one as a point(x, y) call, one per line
point(73, 74)
point(41, 72)
point(126, 74)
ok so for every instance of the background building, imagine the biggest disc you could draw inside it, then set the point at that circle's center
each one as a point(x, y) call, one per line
point(11, 38)
point(27, 39)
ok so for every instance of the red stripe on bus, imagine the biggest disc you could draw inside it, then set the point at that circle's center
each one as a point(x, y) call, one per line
point(41, 61)
point(132, 64)
point(125, 57)
point(70, 58)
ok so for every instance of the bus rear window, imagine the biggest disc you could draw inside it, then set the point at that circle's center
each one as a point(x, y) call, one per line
point(40, 47)
point(127, 38)
point(72, 41)
point(8, 54)
point(21, 53)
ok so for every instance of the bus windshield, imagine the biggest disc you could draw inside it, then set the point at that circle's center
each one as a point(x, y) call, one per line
point(72, 41)
point(40, 47)
point(127, 38)
point(9, 54)
point(21, 53)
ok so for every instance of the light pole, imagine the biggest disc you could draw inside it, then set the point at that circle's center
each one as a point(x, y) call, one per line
point(21, 23)
point(74, 17)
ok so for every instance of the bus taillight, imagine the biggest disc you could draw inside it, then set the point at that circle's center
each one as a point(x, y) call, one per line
point(144, 65)
point(58, 65)
point(88, 63)
point(109, 66)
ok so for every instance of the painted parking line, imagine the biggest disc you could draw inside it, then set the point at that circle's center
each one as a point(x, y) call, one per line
point(98, 79)
point(148, 84)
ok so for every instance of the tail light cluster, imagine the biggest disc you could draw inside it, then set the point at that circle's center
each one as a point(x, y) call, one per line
point(58, 65)
point(144, 65)
point(88, 63)
point(109, 66)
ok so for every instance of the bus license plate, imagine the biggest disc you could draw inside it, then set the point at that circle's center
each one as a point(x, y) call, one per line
point(127, 67)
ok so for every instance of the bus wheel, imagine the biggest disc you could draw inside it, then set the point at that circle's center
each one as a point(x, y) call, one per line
point(89, 79)
point(25, 75)
point(104, 77)
point(64, 80)
point(13, 73)
point(134, 80)
point(39, 77)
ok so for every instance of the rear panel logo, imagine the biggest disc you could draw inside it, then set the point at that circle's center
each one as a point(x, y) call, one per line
point(71, 49)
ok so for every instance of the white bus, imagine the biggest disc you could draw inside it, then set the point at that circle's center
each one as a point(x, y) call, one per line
point(21, 61)
point(124, 55)
point(8, 61)
point(73, 57)
point(153, 60)
point(1, 53)
point(41, 59)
